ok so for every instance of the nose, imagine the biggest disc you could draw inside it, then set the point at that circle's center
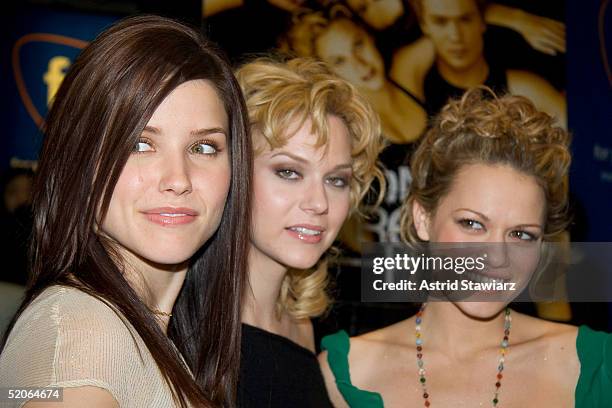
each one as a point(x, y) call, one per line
point(497, 254)
point(314, 199)
point(175, 176)
point(362, 63)
point(454, 31)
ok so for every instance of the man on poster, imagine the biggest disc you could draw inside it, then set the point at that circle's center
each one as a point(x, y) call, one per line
point(456, 60)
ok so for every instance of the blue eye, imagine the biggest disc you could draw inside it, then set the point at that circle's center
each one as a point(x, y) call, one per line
point(207, 148)
point(340, 182)
point(142, 146)
point(288, 174)
point(471, 224)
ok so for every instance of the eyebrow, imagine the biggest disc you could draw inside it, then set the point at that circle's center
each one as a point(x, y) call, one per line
point(305, 161)
point(196, 132)
point(484, 217)
point(530, 225)
point(487, 218)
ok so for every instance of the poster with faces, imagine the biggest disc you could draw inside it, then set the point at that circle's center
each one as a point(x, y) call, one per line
point(408, 58)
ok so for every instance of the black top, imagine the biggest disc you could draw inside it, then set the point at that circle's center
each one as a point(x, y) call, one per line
point(276, 372)
point(438, 91)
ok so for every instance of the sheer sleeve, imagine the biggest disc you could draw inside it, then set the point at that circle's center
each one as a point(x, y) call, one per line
point(67, 338)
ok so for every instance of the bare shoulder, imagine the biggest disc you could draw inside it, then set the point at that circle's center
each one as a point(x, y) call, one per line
point(536, 328)
point(527, 83)
point(386, 336)
point(551, 343)
point(94, 397)
point(411, 63)
point(418, 55)
point(369, 350)
point(365, 354)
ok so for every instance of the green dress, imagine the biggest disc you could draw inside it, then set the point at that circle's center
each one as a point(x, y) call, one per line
point(594, 388)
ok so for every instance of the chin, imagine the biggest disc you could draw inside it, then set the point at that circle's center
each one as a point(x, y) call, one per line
point(167, 255)
point(481, 310)
point(305, 262)
point(374, 84)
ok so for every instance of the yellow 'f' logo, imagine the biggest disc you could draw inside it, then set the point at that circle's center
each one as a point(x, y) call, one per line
point(55, 75)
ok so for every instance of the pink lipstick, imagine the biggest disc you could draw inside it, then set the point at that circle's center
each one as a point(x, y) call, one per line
point(169, 216)
point(311, 234)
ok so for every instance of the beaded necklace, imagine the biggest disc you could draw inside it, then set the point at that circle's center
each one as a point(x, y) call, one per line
point(502, 354)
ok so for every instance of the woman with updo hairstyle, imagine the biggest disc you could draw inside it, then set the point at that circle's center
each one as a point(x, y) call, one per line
point(490, 170)
point(140, 208)
point(316, 143)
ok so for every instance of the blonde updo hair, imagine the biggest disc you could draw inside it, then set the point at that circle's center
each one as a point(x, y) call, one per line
point(484, 128)
point(281, 97)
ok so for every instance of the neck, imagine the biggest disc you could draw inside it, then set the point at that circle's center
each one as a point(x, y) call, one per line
point(265, 280)
point(379, 95)
point(469, 77)
point(448, 329)
point(157, 285)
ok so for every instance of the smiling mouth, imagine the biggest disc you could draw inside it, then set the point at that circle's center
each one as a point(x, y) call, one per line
point(478, 277)
point(305, 231)
point(171, 216)
point(371, 73)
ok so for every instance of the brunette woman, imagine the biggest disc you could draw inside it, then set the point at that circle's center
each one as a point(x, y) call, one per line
point(139, 213)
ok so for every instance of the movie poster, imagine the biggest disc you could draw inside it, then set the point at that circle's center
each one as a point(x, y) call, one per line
point(407, 58)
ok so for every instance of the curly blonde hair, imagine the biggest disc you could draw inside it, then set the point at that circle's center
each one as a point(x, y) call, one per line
point(482, 127)
point(281, 96)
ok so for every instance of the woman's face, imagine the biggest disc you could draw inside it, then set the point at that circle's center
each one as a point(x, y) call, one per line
point(352, 54)
point(378, 14)
point(301, 196)
point(171, 193)
point(498, 208)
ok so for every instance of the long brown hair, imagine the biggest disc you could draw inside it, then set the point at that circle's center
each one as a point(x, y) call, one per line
point(101, 108)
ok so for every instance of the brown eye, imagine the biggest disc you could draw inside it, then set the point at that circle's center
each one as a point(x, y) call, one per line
point(207, 148)
point(339, 182)
point(523, 236)
point(288, 174)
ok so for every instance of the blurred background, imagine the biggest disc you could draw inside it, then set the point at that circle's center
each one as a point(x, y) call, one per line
point(407, 57)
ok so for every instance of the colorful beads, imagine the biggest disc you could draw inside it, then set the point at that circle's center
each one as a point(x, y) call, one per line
point(502, 352)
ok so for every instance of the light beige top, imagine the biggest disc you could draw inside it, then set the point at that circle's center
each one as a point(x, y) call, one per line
point(67, 338)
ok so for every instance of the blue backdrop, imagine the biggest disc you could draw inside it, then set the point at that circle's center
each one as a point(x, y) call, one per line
point(36, 50)
point(589, 95)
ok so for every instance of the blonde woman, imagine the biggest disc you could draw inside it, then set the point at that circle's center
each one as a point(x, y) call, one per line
point(316, 141)
point(489, 170)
